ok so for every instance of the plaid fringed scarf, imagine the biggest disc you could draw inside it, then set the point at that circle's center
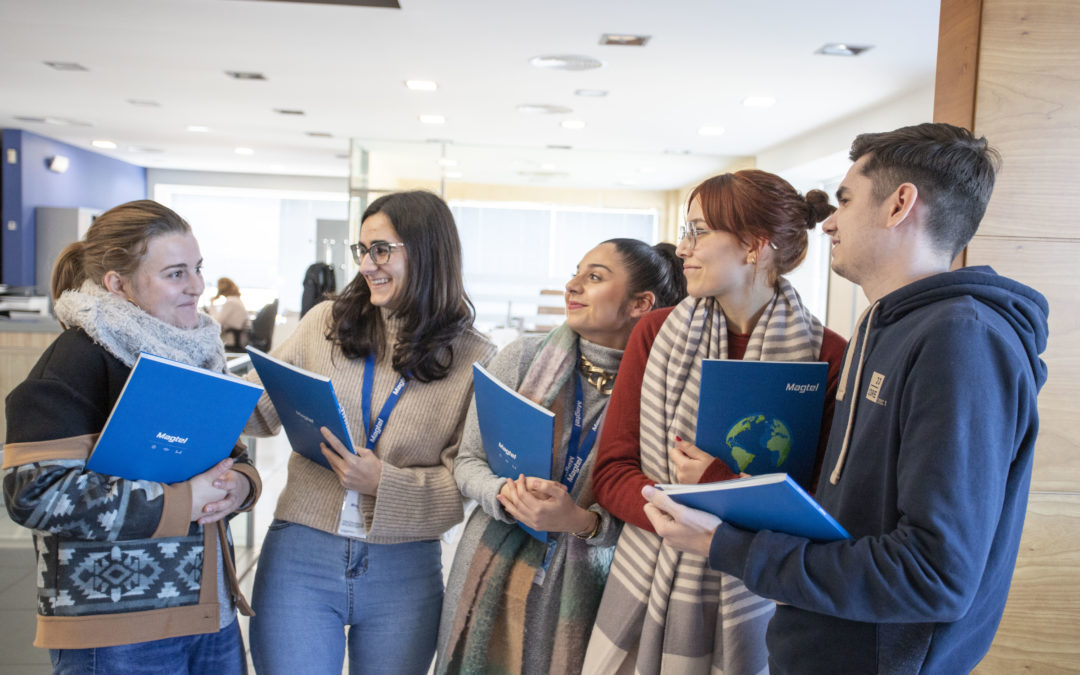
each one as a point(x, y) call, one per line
point(664, 611)
point(495, 613)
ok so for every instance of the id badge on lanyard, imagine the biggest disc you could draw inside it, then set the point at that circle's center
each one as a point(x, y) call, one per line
point(351, 522)
point(576, 454)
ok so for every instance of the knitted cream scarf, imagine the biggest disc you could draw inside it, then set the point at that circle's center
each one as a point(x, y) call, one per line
point(124, 329)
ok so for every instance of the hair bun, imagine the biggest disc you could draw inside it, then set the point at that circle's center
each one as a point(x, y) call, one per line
point(819, 207)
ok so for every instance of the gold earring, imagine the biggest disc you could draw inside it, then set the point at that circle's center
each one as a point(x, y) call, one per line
point(751, 258)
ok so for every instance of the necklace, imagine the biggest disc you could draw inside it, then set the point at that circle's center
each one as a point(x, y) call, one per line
point(597, 377)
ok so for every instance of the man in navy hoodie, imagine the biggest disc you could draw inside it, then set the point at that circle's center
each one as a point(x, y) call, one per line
point(929, 460)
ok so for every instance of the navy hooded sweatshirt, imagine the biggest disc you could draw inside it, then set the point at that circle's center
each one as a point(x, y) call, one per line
point(928, 468)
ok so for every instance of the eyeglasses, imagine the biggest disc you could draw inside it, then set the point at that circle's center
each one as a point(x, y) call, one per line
point(692, 231)
point(379, 253)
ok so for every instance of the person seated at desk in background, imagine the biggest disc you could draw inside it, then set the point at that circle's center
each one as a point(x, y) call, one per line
point(358, 547)
point(663, 612)
point(930, 458)
point(131, 573)
point(494, 616)
point(231, 314)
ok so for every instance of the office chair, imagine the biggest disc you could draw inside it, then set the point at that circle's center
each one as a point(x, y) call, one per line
point(262, 327)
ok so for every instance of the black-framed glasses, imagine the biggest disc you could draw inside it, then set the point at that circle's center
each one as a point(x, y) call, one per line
point(692, 231)
point(379, 252)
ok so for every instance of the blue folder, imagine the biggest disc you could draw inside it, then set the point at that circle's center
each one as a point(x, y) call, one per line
point(304, 402)
point(772, 502)
point(762, 416)
point(172, 421)
point(517, 433)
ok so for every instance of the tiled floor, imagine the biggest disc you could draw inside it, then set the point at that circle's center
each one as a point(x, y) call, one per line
point(17, 566)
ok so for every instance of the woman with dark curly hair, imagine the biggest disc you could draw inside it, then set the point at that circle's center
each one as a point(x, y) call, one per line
point(357, 546)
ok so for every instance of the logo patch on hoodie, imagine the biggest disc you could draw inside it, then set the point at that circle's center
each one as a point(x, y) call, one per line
point(874, 390)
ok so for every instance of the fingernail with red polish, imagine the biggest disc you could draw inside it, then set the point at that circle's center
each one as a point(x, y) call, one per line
point(678, 439)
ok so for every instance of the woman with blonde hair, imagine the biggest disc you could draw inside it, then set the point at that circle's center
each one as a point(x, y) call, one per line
point(231, 314)
point(131, 573)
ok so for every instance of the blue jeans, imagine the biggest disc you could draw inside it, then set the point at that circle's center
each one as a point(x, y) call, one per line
point(311, 585)
point(221, 652)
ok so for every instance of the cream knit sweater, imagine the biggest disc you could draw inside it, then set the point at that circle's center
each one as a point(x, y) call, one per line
point(417, 498)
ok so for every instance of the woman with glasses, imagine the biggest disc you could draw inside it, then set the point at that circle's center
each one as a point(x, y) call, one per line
point(357, 546)
point(663, 611)
point(513, 603)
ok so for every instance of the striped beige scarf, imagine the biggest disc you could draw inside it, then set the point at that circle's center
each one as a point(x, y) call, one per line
point(664, 611)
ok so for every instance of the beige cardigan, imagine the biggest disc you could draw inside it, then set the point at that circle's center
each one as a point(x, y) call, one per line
point(417, 498)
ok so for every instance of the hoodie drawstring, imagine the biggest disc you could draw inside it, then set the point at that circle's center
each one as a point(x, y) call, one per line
point(834, 478)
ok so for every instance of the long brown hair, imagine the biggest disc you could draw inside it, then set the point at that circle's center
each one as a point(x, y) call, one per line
point(115, 241)
point(758, 206)
point(433, 305)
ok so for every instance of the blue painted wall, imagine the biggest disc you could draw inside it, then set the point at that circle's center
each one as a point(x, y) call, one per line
point(92, 180)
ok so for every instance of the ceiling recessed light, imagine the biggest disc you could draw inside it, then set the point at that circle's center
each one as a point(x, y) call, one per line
point(421, 85)
point(710, 131)
point(592, 93)
point(244, 151)
point(56, 121)
point(144, 102)
point(104, 144)
point(842, 49)
point(759, 101)
point(624, 40)
point(543, 109)
point(452, 174)
point(65, 65)
point(244, 75)
point(573, 124)
point(288, 111)
point(320, 134)
point(198, 128)
point(446, 161)
point(433, 119)
point(565, 62)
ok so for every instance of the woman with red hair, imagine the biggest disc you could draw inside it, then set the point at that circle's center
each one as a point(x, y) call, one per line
point(665, 611)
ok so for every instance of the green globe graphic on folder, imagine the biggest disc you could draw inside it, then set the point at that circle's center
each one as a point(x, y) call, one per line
point(756, 436)
point(762, 417)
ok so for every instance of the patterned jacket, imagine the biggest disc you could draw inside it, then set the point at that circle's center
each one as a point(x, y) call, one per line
point(118, 560)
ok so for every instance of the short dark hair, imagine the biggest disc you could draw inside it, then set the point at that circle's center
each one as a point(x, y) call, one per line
point(655, 269)
point(434, 306)
point(953, 170)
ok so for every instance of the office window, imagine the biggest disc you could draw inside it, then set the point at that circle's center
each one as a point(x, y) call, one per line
point(513, 252)
point(263, 240)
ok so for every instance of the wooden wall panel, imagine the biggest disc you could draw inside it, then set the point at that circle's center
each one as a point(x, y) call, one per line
point(18, 354)
point(1040, 632)
point(1049, 267)
point(957, 63)
point(1028, 106)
